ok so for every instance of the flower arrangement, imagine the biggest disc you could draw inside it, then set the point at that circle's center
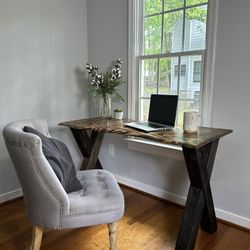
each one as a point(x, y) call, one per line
point(107, 83)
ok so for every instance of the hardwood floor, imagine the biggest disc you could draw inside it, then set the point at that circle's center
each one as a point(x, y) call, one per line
point(148, 224)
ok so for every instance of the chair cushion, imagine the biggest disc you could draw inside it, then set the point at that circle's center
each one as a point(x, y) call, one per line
point(100, 194)
point(59, 158)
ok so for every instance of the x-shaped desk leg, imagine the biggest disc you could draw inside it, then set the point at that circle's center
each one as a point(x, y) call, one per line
point(199, 205)
point(89, 142)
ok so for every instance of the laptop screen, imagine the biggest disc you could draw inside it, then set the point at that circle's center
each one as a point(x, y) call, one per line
point(163, 109)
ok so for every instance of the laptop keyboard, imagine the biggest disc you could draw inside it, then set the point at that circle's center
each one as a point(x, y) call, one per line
point(151, 125)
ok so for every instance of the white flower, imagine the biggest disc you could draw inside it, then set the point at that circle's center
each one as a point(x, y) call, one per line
point(119, 61)
point(106, 83)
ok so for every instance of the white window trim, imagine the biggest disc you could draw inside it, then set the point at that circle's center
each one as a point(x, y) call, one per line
point(133, 52)
point(210, 62)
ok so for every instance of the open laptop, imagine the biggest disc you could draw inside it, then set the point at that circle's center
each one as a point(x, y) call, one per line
point(162, 113)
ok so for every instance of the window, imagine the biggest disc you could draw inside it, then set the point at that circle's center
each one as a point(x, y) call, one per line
point(183, 70)
point(170, 48)
point(197, 71)
point(176, 70)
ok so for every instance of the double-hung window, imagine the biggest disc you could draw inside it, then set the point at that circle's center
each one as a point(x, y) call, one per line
point(170, 53)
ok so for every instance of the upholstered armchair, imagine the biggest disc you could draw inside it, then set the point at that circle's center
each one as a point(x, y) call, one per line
point(100, 201)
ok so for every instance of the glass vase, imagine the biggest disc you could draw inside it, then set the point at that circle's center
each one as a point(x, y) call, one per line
point(105, 106)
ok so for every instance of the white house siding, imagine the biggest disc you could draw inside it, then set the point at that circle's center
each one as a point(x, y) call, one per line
point(194, 40)
point(198, 31)
point(177, 35)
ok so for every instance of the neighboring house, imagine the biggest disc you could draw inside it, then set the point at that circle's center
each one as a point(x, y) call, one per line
point(190, 71)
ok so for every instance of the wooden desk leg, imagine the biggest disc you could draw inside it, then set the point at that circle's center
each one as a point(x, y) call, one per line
point(89, 143)
point(199, 205)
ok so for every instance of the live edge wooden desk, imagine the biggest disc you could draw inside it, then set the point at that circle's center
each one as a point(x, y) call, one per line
point(199, 152)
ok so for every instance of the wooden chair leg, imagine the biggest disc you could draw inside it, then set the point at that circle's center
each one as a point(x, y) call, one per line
point(37, 235)
point(113, 227)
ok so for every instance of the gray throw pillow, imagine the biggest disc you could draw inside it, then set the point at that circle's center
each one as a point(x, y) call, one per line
point(59, 158)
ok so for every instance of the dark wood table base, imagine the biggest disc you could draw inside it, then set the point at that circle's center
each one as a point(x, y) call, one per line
point(199, 206)
point(89, 142)
point(199, 152)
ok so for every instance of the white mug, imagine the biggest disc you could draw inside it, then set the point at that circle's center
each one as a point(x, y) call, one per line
point(190, 121)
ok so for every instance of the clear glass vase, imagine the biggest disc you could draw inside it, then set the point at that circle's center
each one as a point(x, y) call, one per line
point(105, 106)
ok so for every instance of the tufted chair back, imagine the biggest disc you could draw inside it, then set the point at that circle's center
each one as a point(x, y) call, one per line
point(44, 195)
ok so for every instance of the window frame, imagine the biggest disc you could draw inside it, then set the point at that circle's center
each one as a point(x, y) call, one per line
point(135, 30)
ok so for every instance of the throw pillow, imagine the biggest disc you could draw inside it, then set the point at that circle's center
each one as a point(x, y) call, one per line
point(59, 158)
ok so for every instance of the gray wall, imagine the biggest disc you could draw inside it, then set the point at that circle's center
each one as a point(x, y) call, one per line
point(231, 104)
point(43, 44)
point(108, 38)
point(166, 176)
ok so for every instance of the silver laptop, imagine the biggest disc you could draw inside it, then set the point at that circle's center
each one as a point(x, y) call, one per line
point(162, 114)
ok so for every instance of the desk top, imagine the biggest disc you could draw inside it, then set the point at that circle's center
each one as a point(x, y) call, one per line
point(174, 136)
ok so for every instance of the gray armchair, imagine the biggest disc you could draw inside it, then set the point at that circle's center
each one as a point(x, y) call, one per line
point(47, 204)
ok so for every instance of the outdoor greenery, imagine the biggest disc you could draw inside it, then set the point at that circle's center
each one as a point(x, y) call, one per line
point(153, 27)
point(153, 22)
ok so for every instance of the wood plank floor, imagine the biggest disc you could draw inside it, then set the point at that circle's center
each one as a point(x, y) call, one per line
point(148, 224)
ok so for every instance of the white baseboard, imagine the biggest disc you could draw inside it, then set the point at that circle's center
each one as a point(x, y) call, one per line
point(10, 195)
point(181, 200)
point(233, 218)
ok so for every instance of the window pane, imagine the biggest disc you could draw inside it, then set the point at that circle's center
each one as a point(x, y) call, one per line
point(197, 71)
point(189, 91)
point(149, 77)
point(183, 69)
point(173, 24)
point(193, 2)
point(174, 75)
point(173, 4)
point(187, 86)
point(195, 28)
point(144, 109)
point(176, 70)
point(152, 35)
point(153, 6)
point(185, 105)
point(166, 76)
